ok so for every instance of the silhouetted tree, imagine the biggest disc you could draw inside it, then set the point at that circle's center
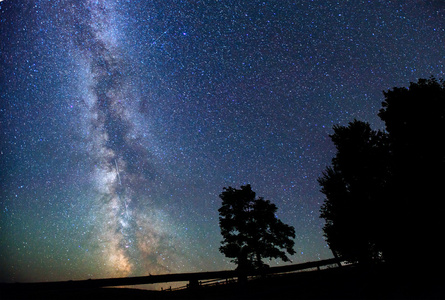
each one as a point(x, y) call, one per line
point(353, 187)
point(385, 192)
point(415, 122)
point(250, 229)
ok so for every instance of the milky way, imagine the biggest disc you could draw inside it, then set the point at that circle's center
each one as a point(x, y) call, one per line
point(127, 230)
point(122, 121)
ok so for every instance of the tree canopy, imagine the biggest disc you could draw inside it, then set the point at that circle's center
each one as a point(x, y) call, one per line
point(251, 230)
point(385, 193)
point(415, 122)
point(353, 189)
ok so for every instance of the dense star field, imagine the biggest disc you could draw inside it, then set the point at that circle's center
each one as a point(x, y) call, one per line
point(122, 121)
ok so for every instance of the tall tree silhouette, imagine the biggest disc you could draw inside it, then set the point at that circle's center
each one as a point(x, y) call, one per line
point(385, 192)
point(415, 121)
point(353, 187)
point(250, 229)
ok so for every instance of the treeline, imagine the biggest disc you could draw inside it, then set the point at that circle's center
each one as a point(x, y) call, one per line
point(385, 190)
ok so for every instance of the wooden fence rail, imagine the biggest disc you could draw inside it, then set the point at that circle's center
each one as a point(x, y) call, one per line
point(193, 278)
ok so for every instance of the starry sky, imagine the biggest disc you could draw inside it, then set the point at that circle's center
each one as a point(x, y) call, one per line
point(122, 121)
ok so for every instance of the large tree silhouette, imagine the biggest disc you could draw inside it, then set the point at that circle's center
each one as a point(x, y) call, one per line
point(250, 229)
point(353, 186)
point(415, 122)
point(385, 192)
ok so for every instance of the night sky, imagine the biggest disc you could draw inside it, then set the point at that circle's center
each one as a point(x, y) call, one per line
point(122, 121)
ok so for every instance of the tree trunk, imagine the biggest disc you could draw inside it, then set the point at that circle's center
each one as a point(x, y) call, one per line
point(336, 256)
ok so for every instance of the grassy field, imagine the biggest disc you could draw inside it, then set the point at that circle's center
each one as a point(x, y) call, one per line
point(349, 282)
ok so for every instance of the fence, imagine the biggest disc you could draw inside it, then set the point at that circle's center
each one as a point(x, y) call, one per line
point(192, 278)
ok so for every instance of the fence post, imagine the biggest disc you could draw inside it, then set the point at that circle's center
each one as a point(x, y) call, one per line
point(193, 284)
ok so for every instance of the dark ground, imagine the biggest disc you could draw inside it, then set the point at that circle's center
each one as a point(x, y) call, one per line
point(349, 282)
